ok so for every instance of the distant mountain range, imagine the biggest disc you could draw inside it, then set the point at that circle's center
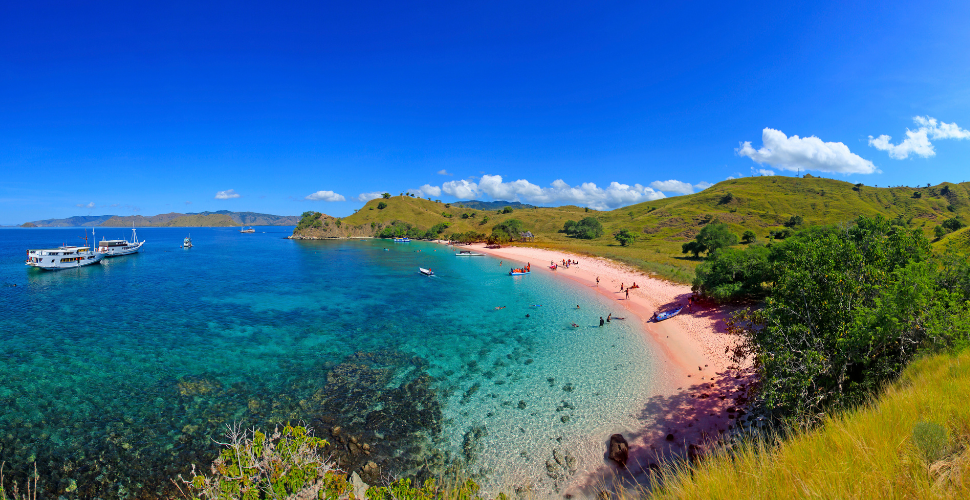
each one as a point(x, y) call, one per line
point(174, 219)
point(492, 205)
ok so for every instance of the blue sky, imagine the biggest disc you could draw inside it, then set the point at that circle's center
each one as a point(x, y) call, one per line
point(125, 108)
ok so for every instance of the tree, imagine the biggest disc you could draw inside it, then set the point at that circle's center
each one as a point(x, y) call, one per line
point(625, 237)
point(386, 195)
point(748, 237)
point(506, 231)
point(917, 194)
point(716, 235)
point(587, 229)
point(381, 205)
point(794, 221)
point(507, 210)
point(953, 224)
point(694, 247)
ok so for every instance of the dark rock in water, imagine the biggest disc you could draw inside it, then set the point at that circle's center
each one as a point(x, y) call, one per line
point(522, 404)
point(619, 450)
point(670, 437)
point(568, 387)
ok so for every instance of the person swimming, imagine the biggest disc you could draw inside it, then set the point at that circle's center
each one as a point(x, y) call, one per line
point(575, 325)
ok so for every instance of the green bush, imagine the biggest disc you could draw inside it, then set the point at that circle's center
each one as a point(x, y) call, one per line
point(589, 228)
point(846, 309)
point(625, 237)
point(381, 205)
point(713, 236)
point(507, 210)
point(748, 237)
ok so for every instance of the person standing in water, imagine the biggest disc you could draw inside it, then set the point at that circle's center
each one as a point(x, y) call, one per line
point(601, 321)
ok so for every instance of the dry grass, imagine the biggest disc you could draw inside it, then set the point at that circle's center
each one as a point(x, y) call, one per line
point(913, 442)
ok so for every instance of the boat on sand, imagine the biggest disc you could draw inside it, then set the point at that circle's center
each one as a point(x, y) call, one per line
point(667, 314)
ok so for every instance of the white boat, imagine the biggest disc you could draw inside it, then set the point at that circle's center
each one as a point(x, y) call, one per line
point(468, 253)
point(426, 272)
point(114, 248)
point(402, 240)
point(250, 230)
point(187, 242)
point(64, 257)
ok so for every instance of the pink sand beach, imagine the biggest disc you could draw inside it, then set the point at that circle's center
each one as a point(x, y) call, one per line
point(692, 408)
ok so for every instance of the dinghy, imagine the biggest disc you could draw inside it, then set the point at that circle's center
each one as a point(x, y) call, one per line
point(426, 272)
point(467, 253)
point(667, 315)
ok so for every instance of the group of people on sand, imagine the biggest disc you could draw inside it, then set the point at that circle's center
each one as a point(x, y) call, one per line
point(565, 263)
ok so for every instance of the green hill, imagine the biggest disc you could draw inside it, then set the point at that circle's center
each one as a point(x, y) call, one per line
point(758, 204)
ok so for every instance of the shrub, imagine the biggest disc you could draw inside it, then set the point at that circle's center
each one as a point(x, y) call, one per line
point(252, 465)
point(917, 194)
point(386, 195)
point(748, 237)
point(507, 210)
point(625, 237)
point(727, 198)
point(587, 229)
point(714, 235)
point(381, 205)
point(953, 224)
point(794, 221)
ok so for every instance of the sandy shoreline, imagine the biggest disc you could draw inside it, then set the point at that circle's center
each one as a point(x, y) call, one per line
point(689, 411)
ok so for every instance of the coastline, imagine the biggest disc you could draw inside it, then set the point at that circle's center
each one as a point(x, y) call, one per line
point(688, 413)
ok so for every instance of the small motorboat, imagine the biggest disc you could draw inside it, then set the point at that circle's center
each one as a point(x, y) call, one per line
point(402, 240)
point(250, 230)
point(519, 272)
point(668, 314)
point(187, 242)
point(468, 253)
point(426, 272)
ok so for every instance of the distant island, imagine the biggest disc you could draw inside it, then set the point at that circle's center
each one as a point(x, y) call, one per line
point(222, 218)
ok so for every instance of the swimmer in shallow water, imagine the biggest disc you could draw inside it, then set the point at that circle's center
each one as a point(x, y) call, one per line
point(575, 325)
point(497, 308)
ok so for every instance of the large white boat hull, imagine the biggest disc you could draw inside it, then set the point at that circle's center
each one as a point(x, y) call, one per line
point(123, 250)
point(57, 259)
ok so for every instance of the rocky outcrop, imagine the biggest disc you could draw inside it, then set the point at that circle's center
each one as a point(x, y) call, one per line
point(619, 450)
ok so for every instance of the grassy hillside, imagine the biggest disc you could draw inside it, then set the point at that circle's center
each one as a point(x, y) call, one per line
point(913, 442)
point(172, 220)
point(166, 220)
point(758, 204)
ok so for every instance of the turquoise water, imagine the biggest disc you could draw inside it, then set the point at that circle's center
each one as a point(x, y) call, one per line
point(116, 378)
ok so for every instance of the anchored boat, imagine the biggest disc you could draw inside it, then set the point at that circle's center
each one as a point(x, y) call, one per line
point(468, 253)
point(402, 240)
point(65, 257)
point(250, 230)
point(114, 248)
point(187, 242)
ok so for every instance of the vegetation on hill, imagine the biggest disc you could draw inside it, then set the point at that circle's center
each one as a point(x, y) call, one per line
point(765, 208)
point(912, 442)
point(844, 310)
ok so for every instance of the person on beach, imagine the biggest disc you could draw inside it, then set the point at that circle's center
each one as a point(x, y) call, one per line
point(689, 303)
point(654, 317)
point(597, 281)
point(601, 321)
point(627, 294)
point(621, 287)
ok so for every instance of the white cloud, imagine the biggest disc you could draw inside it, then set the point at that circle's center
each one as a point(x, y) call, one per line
point(227, 194)
point(673, 186)
point(463, 190)
point(325, 196)
point(917, 141)
point(808, 153)
point(765, 171)
point(703, 185)
point(365, 197)
point(586, 194)
point(82, 205)
point(444, 172)
point(427, 190)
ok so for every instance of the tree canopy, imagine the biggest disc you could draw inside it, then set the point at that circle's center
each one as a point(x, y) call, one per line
point(587, 229)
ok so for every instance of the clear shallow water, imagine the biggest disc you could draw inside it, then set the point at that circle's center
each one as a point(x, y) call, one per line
point(115, 377)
